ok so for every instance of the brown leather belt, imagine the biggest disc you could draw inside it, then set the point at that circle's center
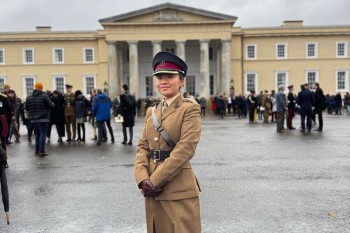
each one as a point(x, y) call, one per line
point(159, 155)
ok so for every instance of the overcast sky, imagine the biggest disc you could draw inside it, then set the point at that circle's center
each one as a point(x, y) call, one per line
point(24, 15)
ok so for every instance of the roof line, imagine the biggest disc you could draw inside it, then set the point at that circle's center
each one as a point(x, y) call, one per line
point(165, 6)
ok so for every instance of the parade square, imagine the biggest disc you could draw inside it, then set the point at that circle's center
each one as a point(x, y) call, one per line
point(252, 179)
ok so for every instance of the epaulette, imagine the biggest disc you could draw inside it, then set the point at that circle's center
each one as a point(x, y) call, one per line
point(4, 95)
point(188, 100)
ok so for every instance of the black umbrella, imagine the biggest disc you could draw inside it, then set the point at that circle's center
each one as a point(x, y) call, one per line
point(4, 188)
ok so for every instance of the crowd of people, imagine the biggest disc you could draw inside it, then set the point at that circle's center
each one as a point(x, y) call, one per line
point(281, 108)
point(68, 111)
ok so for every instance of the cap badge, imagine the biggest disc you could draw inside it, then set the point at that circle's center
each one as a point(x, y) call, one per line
point(162, 63)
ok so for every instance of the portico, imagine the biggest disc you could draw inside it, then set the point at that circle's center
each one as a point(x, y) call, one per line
point(201, 38)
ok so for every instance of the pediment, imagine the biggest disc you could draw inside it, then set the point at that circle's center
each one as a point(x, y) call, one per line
point(168, 12)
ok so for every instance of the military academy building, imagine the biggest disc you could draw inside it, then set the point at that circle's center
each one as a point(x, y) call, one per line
point(222, 58)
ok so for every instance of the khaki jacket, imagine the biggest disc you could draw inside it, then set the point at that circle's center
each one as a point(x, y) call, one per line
point(266, 101)
point(174, 175)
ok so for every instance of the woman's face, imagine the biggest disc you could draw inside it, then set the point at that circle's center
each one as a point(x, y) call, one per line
point(169, 84)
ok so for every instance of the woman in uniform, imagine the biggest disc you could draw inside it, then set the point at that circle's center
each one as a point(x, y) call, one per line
point(162, 167)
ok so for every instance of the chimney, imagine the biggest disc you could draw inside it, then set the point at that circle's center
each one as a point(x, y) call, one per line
point(292, 23)
point(43, 29)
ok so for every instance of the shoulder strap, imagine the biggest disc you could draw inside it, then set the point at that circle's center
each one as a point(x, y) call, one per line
point(160, 129)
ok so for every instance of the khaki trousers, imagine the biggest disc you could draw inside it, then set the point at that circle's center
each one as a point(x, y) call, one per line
point(266, 115)
point(70, 120)
point(181, 216)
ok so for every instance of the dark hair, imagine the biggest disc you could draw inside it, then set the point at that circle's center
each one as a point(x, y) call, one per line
point(182, 76)
point(11, 91)
point(125, 87)
point(317, 84)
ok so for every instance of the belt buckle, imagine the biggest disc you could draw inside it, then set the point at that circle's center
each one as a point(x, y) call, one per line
point(156, 155)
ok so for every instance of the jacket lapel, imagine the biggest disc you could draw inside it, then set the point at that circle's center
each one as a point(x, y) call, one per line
point(172, 108)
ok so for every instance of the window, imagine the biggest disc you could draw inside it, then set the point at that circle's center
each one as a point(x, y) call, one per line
point(342, 50)
point(59, 83)
point(89, 83)
point(2, 83)
point(28, 56)
point(2, 56)
point(281, 51)
point(251, 82)
point(211, 84)
point(149, 86)
point(211, 53)
point(58, 56)
point(281, 78)
point(28, 85)
point(311, 50)
point(311, 78)
point(342, 82)
point(191, 85)
point(89, 56)
point(250, 52)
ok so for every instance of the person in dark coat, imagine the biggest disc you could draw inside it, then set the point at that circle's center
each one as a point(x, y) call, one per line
point(148, 103)
point(319, 105)
point(291, 107)
point(5, 113)
point(221, 107)
point(240, 104)
point(252, 101)
point(57, 115)
point(305, 100)
point(82, 109)
point(127, 110)
point(15, 104)
point(39, 105)
point(338, 102)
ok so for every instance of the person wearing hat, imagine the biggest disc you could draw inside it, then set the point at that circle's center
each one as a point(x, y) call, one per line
point(38, 106)
point(291, 107)
point(82, 109)
point(162, 168)
point(69, 113)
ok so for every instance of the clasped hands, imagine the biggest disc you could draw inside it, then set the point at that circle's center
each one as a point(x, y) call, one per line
point(149, 190)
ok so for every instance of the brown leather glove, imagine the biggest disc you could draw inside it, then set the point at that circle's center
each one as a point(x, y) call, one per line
point(149, 190)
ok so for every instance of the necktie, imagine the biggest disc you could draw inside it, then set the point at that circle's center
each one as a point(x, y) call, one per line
point(164, 107)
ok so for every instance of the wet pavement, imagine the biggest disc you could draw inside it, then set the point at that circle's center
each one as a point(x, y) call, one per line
point(252, 180)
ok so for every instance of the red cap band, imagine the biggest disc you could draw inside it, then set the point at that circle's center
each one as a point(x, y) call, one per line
point(167, 66)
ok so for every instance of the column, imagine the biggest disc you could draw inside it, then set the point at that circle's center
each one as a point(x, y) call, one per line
point(217, 89)
point(120, 55)
point(180, 49)
point(157, 47)
point(133, 68)
point(113, 84)
point(204, 69)
point(226, 66)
